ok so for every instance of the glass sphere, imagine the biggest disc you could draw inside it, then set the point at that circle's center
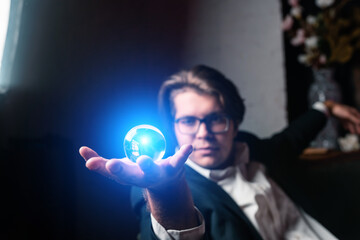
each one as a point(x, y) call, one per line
point(144, 140)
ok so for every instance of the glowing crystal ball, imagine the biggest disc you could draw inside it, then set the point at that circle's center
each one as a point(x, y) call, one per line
point(144, 140)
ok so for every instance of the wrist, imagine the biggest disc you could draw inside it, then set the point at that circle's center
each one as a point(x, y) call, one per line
point(321, 107)
point(166, 192)
point(172, 182)
point(172, 205)
point(329, 104)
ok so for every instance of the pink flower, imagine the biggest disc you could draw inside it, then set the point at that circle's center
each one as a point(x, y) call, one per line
point(299, 38)
point(287, 23)
point(293, 3)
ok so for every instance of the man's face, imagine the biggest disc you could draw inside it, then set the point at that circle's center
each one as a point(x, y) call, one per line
point(211, 150)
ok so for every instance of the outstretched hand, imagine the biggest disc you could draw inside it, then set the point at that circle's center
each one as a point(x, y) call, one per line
point(348, 116)
point(144, 173)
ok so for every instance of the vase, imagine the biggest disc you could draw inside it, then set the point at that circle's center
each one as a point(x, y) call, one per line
point(325, 88)
point(355, 83)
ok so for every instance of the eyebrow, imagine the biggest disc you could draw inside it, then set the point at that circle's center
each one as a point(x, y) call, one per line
point(212, 113)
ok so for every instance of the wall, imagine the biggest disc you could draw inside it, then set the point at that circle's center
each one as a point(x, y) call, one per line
point(243, 39)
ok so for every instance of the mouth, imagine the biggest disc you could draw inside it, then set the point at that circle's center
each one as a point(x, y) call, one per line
point(206, 150)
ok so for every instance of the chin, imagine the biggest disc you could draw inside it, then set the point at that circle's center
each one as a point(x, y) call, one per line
point(210, 162)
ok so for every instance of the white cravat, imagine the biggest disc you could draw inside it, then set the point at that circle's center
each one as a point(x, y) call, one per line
point(269, 209)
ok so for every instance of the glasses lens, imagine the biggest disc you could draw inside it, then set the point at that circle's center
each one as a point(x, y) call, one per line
point(218, 123)
point(215, 123)
point(188, 125)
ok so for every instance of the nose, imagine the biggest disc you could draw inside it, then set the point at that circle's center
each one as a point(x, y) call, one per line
point(203, 131)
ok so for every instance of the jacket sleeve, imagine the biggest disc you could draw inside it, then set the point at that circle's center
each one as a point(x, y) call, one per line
point(290, 142)
point(139, 207)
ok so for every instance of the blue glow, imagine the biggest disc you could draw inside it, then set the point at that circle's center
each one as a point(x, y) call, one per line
point(124, 102)
point(144, 140)
point(115, 116)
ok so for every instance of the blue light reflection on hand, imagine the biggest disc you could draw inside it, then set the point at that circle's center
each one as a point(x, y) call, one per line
point(144, 140)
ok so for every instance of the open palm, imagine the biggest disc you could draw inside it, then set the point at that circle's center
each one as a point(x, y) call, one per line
point(144, 173)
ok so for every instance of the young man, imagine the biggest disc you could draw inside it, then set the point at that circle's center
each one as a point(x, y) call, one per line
point(223, 191)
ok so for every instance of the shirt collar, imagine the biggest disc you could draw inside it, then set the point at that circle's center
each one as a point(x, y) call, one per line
point(241, 159)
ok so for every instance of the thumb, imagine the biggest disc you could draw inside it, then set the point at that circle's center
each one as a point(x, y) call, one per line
point(181, 156)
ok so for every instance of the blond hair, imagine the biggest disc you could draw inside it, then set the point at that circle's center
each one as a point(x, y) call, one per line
point(203, 80)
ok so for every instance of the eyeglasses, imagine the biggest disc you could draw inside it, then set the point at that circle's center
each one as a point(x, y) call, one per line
point(215, 123)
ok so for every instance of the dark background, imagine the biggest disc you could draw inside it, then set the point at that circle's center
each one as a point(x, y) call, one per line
point(85, 73)
point(325, 189)
point(299, 77)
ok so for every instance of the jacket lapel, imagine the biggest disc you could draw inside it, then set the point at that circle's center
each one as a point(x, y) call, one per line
point(201, 185)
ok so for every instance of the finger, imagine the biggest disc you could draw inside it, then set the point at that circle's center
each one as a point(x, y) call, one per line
point(152, 171)
point(181, 156)
point(125, 171)
point(87, 153)
point(345, 112)
point(115, 166)
point(355, 115)
point(354, 118)
point(97, 164)
point(357, 128)
point(146, 164)
point(350, 127)
point(349, 114)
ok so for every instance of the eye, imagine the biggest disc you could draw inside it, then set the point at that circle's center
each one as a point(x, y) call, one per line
point(216, 118)
point(189, 121)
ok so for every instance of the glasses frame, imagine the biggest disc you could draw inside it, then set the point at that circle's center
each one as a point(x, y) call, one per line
point(204, 120)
